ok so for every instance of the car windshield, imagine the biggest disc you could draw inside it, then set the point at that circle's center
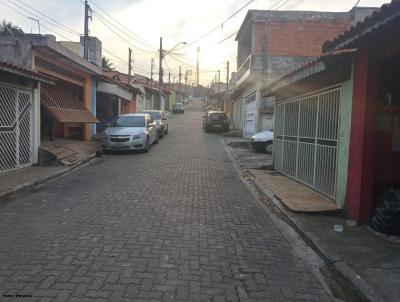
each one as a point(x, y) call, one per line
point(128, 121)
point(178, 105)
point(155, 115)
point(217, 116)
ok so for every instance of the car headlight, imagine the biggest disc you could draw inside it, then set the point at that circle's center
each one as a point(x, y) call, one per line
point(137, 136)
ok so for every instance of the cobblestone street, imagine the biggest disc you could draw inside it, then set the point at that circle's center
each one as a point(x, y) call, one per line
point(175, 224)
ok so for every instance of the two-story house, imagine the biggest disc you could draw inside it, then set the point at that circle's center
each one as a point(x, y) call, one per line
point(271, 43)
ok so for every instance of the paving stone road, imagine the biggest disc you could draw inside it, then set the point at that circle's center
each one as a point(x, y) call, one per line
point(176, 224)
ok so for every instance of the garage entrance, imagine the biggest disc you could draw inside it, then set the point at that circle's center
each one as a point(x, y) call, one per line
point(250, 115)
point(16, 129)
point(306, 139)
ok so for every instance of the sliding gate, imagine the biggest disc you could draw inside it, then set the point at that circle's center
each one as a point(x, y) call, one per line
point(15, 128)
point(306, 139)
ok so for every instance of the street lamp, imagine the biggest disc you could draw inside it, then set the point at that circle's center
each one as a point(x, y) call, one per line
point(160, 73)
point(165, 54)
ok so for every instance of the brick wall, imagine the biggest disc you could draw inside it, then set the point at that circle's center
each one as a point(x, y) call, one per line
point(301, 38)
point(259, 38)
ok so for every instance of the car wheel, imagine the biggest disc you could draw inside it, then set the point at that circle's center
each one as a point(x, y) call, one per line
point(161, 133)
point(156, 141)
point(147, 147)
point(268, 148)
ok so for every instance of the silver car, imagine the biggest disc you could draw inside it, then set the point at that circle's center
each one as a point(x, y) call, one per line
point(160, 118)
point(130, 132)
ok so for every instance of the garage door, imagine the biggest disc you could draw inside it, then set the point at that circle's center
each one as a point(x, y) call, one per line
point(250, 116)
point(15, 128)
point(306, 140)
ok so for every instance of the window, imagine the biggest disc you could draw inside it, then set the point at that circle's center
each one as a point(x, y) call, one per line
point(154, 114)
point(128, 121)
point(217, 116)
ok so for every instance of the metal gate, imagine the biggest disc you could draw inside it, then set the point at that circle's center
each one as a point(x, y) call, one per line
point(15, 128)
point(250, 108)
point(306, 139)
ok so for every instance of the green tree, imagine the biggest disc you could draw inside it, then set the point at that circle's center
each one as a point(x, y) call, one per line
point(9, 29)
point(106, 63)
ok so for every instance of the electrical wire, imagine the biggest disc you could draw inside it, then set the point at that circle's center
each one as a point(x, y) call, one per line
point(295, 4)
point(65, 28)
point(218, 26)
point(26, 16)
point(109, 52)
point(285, 2)
point(50, 18)
point(139, 38)
point(228, 37)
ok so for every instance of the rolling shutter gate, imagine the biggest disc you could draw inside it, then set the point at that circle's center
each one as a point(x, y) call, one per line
point(306, 140)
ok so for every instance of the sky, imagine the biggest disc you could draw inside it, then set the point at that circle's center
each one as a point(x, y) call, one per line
point(139, 24)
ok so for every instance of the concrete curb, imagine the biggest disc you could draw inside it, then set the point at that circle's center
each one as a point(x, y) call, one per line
point(357, 283)
point(44, 179)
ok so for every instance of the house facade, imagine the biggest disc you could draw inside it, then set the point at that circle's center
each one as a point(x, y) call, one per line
point(269, 44)
point(19, 116)
point(337, 118)
point(71, 101)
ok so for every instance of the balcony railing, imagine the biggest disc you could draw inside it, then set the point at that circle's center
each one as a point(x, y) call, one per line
point(244, 70)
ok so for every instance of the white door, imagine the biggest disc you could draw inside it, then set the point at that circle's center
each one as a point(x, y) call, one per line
point(306, 139)
point(250, 116)
point(16, 135)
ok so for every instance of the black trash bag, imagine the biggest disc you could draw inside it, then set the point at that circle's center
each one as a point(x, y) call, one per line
point(386, 217)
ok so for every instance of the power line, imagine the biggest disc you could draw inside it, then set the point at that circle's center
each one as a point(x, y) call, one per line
point(65, 28)
point(50, 18)
point(228, 37)
point(275, 4)
point(140, 39)
point(109, 52)
point(285, 2)
point(26, 16)
point(218, 26)
point(295, 4)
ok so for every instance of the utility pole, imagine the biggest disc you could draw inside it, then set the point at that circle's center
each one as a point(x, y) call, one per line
point(219, 81)
point(86, 32)
point(169, 78)
point(227, 75)
point(130, 66)
point(179, 85)
point(219, 78)
point(160, 75)
point(152, 68)
point(186, 78)
point(197, 67)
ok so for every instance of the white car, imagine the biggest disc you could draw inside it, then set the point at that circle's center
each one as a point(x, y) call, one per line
point(263, 141)
point(130, 132)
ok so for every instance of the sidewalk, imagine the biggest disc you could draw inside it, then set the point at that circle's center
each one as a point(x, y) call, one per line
point(246, 157)
point(13, 181)
point(369, 261)
point(71, 152)
point(65, 156)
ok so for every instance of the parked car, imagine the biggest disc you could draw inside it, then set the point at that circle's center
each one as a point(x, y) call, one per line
point(130, 132)
point(216, 120)
point(160, 118)
point(178, 108)
point(263, 141)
